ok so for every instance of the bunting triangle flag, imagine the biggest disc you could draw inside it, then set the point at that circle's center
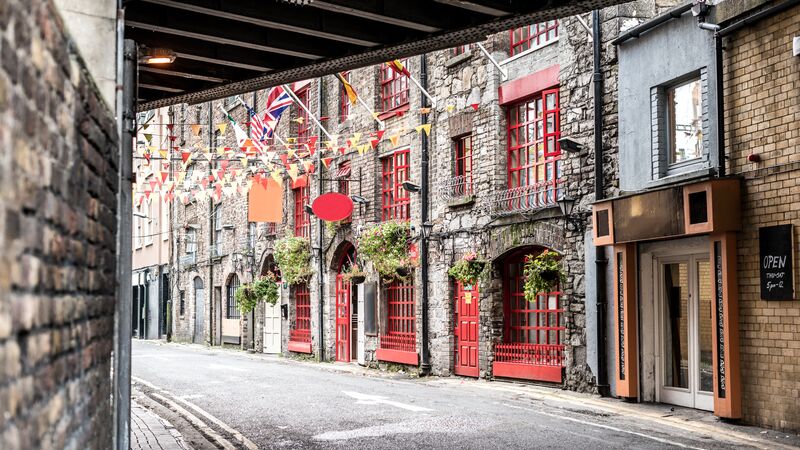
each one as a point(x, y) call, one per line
point(308, 166)
point(424, 110)
point(426, 128)
point(293, 171)
point(277, 176)
point(374, 143)
point(171, 126)
point(148, 137)
point(196, 129)
point(185, 156)
point(163, 154)
point(222, 127)
point(474, 106)
point(327, 162)
point(363, 148)
point(353, 141)
point(379, 134)
point(395, 138)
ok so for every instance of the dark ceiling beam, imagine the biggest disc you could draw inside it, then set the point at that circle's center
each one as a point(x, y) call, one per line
point(175, 73)
point(160, 88)
point(237, 11)
point(222, 62)
point(372, 14)
point(217, 58)
point(473, 30)
point(208, 37)
point(476, 7)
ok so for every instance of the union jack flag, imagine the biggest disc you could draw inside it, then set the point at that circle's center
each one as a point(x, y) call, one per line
point(277, 102)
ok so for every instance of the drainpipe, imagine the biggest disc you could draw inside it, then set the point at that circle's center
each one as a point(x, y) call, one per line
point(320, 242)
point(210, 295)
point(425, 367)
point(600, 260)
point(718, 86)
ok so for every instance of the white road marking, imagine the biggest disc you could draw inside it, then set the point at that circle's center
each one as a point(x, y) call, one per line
point(224, 367)
point(190, 396)
point(600, 425)
point(243, 439)
point(367, 399)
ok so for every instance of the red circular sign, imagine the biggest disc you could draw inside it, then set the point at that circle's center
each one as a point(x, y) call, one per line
point(332, 206)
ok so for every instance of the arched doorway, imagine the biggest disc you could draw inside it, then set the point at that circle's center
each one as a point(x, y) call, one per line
point(533, 332)
point(198, 337)
point(346, 307)
point(272, 313)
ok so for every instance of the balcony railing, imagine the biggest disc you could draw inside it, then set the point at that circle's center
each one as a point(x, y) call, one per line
point(527, 198)
point(188, 259)
point(215, 251)
point(454, 188)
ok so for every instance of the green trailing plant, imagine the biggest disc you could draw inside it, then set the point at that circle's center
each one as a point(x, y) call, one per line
point(293, 256)
point(468, 269)
point(246, 299)
point(386, 246)
point(542, 273)
point(266, 289)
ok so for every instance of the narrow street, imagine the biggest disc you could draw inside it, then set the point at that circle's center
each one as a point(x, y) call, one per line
point(278, 403)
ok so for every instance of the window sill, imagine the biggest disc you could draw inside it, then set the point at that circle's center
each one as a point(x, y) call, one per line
point(528, 51)
point(458, 59)
point(467, 200)
point(700, 172)
point(398, 111)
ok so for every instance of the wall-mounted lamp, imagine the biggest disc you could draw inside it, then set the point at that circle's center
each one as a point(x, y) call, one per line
point(359, 199)
point(138, 214)
point(567, 206)
point(156, 55)
point(410, 187)
point(570, 146)
point(427, 227)
point(228, 226)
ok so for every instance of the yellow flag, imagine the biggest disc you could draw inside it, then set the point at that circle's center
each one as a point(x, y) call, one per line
point(277, 176)
point(394, 139)
point(426, 128)
point(196, 129)
point(222, 127)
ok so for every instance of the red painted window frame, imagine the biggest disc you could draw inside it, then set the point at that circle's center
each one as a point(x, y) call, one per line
point(303, 128)
point(461, 49)
point(395, 201)
point(344, 100)
point(401, 319)
point(394, 88)
point(541, 170)
point(533, 332)
point(301, 331)
point(302, 222)
point(462, 163)
point(531, 36)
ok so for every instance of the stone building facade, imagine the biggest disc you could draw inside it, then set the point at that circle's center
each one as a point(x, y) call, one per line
point(475, 206)
point(58, 231)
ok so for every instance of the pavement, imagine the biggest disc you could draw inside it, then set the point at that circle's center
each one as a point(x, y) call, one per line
point(149, 431)
point(221, 398)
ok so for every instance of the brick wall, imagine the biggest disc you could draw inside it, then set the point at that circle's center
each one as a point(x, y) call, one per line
point(762, 111)
point(58, 170)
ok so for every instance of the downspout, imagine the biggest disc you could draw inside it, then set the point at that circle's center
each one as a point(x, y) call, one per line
point(719, 88)
point(320, 242)
point(210, 296)
point(600, 260)
point(425, 367)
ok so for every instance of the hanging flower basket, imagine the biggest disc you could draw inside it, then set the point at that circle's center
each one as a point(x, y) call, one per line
point(386, 246)
point(354, 274)
point(543, 273)
point(266, 289)
point(293, 256)
point(468, 270)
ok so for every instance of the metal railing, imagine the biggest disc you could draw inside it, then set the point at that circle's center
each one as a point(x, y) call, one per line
point(454, 188)
point(188, 259)
point(215, 251)
point(527, 198)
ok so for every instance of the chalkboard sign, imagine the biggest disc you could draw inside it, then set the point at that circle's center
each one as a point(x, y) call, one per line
point(370, 325)
point(776, 252)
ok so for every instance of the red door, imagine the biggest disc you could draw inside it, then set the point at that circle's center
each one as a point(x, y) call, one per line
point(466, 332)
point(342, 319)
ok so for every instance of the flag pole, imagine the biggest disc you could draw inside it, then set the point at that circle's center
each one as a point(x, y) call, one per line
point(416, 83)
point(485, 52)
point(381, 125)
point(310, 115)
point(274, 133)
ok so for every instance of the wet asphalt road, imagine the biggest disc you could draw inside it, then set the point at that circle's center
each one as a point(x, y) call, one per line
point(282, 404)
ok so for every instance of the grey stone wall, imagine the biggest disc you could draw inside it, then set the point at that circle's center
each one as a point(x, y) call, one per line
point(58, 170)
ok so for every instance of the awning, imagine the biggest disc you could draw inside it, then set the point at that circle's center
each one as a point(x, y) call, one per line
point(225, 48)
